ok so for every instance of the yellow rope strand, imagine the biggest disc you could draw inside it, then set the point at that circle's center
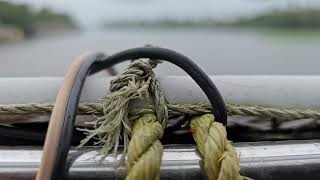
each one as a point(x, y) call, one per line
point(220, 159)
point(145, 149)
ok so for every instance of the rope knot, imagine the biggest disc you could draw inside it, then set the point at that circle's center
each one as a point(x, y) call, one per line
point(136, 82)
point(137, 71)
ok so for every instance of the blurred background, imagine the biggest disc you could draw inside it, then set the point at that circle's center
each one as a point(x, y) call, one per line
point(42, 37)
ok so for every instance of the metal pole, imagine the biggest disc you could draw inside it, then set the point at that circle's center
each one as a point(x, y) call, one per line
point(274, 91)
point(261, 160)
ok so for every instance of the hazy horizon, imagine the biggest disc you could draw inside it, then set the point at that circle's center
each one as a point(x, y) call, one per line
point(94, 13)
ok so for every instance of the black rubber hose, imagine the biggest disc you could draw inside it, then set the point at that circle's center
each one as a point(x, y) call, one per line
point(98, 62)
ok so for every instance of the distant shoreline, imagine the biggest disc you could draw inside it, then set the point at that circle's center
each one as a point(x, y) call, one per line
point(19, 22)
point(12, 34)
point(298, 18)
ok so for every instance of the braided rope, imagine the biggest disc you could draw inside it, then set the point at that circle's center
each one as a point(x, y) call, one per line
point(114, 124)
point(145, 149)
point(173, 109)
point(220, 159)
point(138, 82)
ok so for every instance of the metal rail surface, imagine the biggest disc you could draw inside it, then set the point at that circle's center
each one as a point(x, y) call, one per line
point(282, 91)
point(261, 160)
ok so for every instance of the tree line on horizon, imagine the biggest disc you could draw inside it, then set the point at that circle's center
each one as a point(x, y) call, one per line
point(21, 16)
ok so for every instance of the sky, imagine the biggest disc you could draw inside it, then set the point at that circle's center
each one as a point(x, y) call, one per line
point(94, 12)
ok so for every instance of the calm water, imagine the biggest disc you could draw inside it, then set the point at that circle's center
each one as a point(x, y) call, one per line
point(217, 52)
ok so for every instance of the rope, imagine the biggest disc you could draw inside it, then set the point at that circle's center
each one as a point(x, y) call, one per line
point(145, 149)
point(220, 160)
point(138, 82)
point(173, 109)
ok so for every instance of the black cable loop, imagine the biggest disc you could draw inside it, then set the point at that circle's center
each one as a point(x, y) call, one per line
point(98, 62)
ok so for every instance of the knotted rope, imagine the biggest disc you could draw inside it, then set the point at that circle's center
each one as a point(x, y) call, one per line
point(138, 82)
point(220, 159)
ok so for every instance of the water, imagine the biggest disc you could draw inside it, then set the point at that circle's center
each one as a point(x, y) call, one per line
point(216, 51)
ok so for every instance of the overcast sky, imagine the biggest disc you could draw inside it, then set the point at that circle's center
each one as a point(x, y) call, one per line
point(94, 12)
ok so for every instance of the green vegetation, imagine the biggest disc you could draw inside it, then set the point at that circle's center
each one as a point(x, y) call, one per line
point(292, 19)
point(27, 20)
point(297, 18)
point(46, 15)
point(163, 23)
